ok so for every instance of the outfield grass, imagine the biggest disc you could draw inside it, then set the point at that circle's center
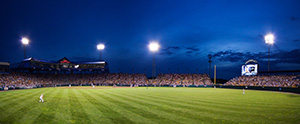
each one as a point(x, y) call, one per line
point(155, 105)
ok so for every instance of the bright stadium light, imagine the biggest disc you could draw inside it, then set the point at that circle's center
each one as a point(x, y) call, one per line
point(269, 39)
point(25, 41)
point(153, 46)
point(100, 47)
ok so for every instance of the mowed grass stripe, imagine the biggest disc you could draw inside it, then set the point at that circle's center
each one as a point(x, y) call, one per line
point(41, 112)
point(281, 113)
point(22, 107)
point(178, 113)
point(94, 114)
point(195, 101)
point(63, 107)
point(8, 94)
point(177, 92)
point(256, 108)
point(160, 115)
point(229, 97)
point(197, 94)
point(193, 111)
point(78, 114)
point(137, 109)
point(214, 102)
point(270, 112)
point(110, 110)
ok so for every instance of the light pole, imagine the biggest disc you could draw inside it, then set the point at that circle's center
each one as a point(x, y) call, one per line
point(153, 47)
point(100, 47)
point(209, 61)
point(269, 38)
point(25, 42)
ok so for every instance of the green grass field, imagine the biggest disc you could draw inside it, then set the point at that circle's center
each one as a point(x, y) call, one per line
point(155, 105)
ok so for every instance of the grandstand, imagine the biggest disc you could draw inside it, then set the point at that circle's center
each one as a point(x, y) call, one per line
point(183, 79)
point(32, 80)
point(266, 80)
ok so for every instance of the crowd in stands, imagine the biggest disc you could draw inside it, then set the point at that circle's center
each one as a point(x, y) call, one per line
point(182, 79)
point(34, 80)
point(27, 80)
point(266, 80)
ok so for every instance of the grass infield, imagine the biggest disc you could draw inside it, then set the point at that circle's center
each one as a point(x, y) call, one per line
point(153, 105)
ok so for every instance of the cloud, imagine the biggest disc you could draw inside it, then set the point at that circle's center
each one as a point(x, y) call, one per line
point(293, 18)
point(198, 53)
point(281, 56)
point(296, 40)
point(174, 47)
point(170, 50)
point(192, 50)
point(188, 52)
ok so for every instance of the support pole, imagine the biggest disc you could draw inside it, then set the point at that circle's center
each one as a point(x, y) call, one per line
point(100, 55)
point(269, 58)
point(215, 75)
point(24, 51)
point(153, 66)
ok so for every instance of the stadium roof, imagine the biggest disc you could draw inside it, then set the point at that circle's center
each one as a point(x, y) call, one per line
point(4, 63)
point(63, 60)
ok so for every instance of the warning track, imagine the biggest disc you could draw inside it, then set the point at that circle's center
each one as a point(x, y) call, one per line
point(90, 87)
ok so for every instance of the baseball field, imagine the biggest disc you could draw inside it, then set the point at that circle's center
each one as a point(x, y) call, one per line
point(154, 105)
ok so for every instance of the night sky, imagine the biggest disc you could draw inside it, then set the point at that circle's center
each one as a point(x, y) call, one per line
point(232, 32)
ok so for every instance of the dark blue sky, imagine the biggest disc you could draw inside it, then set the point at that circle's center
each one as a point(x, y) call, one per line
point(231, 31)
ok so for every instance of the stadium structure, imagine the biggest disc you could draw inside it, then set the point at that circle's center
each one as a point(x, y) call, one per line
point(4, 67)
point(62, 66)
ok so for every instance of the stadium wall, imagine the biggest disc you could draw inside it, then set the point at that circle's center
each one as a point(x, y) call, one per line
point(280, 89)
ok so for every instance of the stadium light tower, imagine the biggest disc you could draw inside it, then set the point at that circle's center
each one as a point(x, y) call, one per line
point(100, 47)
point(25, 42)
point(269, 39)
point(153, 47)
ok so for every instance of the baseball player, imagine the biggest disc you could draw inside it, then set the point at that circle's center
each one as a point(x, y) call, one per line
point(41, 98)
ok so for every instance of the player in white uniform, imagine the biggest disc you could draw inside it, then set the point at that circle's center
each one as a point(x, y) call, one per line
point(41, 98)
point(243, 91)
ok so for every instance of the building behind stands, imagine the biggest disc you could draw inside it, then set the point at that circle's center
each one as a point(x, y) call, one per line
point(4, 67)
point(62, 66)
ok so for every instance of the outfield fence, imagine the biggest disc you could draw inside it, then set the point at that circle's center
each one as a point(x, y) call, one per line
point(280, 89)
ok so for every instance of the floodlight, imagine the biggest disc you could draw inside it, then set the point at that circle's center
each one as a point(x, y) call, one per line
point(153, 46)
point(100, 46)
point(269, 39)
point(25, 41)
